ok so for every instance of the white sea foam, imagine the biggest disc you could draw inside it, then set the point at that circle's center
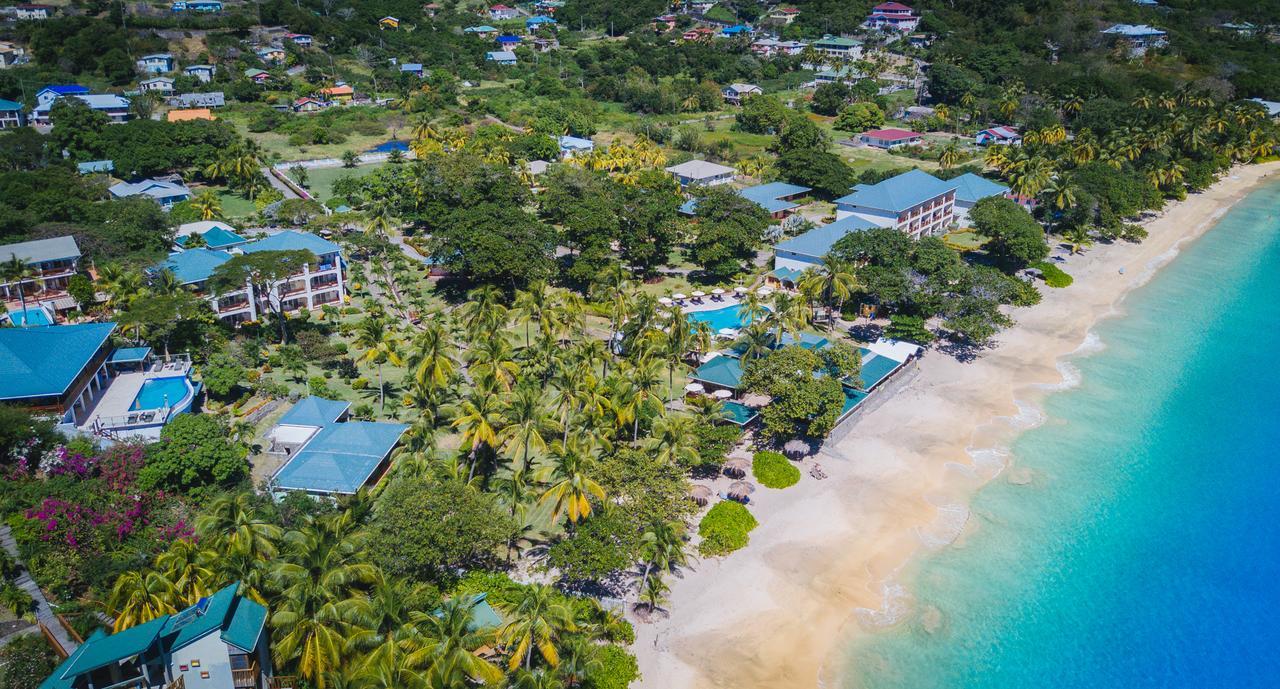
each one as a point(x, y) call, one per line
point(1071, 377)
point(894, 606)
point(1092, 344)
point(989, 461)
point(946, 527)
point(1029, 416)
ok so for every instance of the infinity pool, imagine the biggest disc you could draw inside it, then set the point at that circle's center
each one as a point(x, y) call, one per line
point(160, 392)
point(733, 317)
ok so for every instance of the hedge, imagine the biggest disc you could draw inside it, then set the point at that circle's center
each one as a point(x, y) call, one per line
point(773, 470)
point(724, 529)
point(1053, 275)
point(617, 669)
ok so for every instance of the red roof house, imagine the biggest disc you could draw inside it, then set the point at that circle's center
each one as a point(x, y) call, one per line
point(890, 138)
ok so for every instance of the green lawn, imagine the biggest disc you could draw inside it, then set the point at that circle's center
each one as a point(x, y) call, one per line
point(320, 181)
point(964, 240)
point(234, 205)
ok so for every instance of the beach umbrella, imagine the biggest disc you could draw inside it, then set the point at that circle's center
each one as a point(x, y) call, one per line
point(741, 489)
point(737, 467)
point(756, 399)
point(700, 494)
point(694, 387)
point(699, 294)
point(796, 448)
point(678, 296)
point(722, 394)
point(717, 291)
point(727, 332)
point(739, 289)
point(764, 291)
point(664, 301)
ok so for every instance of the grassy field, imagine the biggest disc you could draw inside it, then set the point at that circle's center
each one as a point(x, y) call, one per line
point(235, 205)
point(320, 181)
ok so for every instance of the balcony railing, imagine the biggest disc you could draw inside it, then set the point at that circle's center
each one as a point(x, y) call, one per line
point(246, 678)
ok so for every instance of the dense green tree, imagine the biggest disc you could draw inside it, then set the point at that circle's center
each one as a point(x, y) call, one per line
point(729, 229)
point(1015, 238)
point(830, 98)
point(426, 530)
point(859, 117)
point(194, 453)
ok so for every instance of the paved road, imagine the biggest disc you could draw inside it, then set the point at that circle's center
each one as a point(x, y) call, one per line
point(44, 613)
point(278, 185)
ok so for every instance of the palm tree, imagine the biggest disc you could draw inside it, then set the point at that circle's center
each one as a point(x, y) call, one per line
point(535, 679)
point(388, 667)
point(528, 422)
point(674, 439)
point(831, 284)
point(676, 343)
point(950, 155)
point(446, 642)
point(380, 619)
point(662, 549)
point(755, 341)
point(645, 376)
point(493, 359)
point(480, 416)
point(15, 271)
point(483, 314)
point(183, 565)
point(1078, 237)
point(294, 361)
point(570, 489)
point(380, 345)
point(790, 314)
point(140, 596)
point(232, 521)
point(208, 204)
point(432, 355)
point(538, 618)
point(317, 578)
point(531, 307)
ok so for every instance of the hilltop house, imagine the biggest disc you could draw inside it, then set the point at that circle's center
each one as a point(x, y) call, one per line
point(500, 13)
point(571, 146)
point(505, 58)
point(328, 453)
point(33, 12)
point(890, 138)
point(701, 173)
point(482, 31)
point(414, 68)
point(388, 22)
point(115, 107)
point(735, 31)
point(161, 85)
point(784, 15)
point(664, 23)
point(301, 40)
point(59, 369)
point(892, 16)
point(53, 260)
point(768, 47)
point(11, 54)
point(532, 24)
point(189, 115)
point(913, 202)
point(734, 93)
point(212, 99)
point(257, 76)
point(203, 73)
point(221, 642)
point(309, 104)
point(340, 93)
point(270, 55)
point(11, 114)
point(508, 42)
point(838, 47)
point(1138, 38)
point(157, 63)
point(698, 33)
point(164, 193)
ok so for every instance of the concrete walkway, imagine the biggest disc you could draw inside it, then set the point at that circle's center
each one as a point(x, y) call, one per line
point(44, 613)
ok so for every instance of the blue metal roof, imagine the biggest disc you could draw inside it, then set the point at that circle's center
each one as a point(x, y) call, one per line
point(899, 193)
point(44, 361)
point(293, 239)
point(818, 241)
point(340, 458)
point(95, 166)
point(767, 196)
point(875, 369)
point(314, 411)
point(117, 647)
point(574, 143)
point(195, 265)
point(483, 28)
point(216, 237)
point(724, 371)
point(971, 188)
point(533, 21)
point(129, 355)
point(66, 89)
point(788, 274)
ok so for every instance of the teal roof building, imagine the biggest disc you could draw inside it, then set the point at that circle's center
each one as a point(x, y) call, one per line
point(218, 643)
point(49, 367)
point(330, 455)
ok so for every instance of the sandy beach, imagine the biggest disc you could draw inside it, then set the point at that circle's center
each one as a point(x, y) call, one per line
point(830, 558)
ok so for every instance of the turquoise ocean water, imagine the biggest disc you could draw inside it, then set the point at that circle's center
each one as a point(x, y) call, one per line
point(1146, 550)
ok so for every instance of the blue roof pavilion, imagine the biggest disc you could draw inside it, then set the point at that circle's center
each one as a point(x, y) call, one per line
point(216, 237)
point(775, 198)
point(875, 369)
point(315, 411)
point(293, 240)
point(722, 371)
point(971, 188)
point(46, 361)
point(194, 265)
point(817, 242)
point(129, 355)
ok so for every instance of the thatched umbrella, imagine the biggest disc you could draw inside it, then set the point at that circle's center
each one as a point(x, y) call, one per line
point(756, 399)
point(700, 494)
point(737, 467)
point(796, 448)
point(741, 489)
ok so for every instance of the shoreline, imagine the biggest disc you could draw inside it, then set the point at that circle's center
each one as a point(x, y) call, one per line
point(828, 561)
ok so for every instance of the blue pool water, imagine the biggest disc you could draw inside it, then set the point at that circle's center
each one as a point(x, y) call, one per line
point(728, 317)
point(1145, 552)
point(389, 146)
point(155, 393)
point(34, 316)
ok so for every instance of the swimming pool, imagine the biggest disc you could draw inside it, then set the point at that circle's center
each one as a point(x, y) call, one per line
point(161, 392)
point(733, 317)
point(34, 316)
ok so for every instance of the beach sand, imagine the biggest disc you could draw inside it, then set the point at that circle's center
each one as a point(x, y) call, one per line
point(829, 559)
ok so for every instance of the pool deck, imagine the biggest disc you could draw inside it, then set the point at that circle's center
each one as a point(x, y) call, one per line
point(117, 398)
point(709, 305)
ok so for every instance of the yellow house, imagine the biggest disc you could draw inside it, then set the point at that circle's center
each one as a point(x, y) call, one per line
point(341, 92)
point(388, 23)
